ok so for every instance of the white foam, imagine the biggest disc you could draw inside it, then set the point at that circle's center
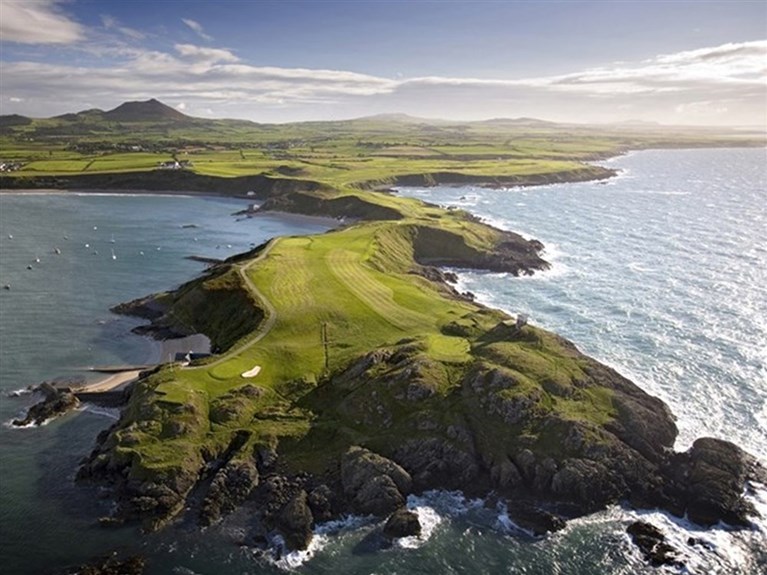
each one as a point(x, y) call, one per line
point(639, 268)
point(320, 538)
point(108, 412)
point(433, 508)
point(429, 520)
point(9, 424)
point(504, 523)
point(296, 559)
point(20, 392)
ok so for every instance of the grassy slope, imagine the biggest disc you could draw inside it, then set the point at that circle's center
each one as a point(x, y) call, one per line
point(335, 297)
point(341, 154)
point(313, 306)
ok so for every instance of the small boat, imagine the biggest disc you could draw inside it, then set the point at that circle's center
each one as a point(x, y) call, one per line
point(66, 237)
point(95, 252)
point(7, 286)
point(29, 267)
point(37, 260)
point(228, 245)
point(112, 239)
point(158, 248)
point(95, 227)
point(57, 251)
point(10, 236)
point(87, 245)
point(141, 253)
point(114, 257)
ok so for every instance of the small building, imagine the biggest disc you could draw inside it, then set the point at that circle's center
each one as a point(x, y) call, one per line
point(189, 356)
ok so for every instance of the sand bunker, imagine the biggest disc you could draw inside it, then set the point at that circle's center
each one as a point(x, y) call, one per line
point(252, 372)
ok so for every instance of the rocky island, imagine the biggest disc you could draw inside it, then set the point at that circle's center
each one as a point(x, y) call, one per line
point(377, 379)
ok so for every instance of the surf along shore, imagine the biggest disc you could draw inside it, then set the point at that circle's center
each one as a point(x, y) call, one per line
point(379, 380)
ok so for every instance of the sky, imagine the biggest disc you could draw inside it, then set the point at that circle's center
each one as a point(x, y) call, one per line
point(670, 61)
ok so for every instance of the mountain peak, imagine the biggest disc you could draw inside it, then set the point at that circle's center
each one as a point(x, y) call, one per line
point(146, 111)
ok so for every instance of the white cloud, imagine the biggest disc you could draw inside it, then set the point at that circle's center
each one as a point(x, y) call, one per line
point(39, 22)
point(197, 28)
point(111, 23)
point(202, 54)
point(728, 80)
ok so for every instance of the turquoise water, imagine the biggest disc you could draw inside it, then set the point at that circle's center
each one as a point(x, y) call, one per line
point(661, 272)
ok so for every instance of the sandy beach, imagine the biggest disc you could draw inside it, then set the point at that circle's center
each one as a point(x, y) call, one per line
point(111, 383)
point(166, 351)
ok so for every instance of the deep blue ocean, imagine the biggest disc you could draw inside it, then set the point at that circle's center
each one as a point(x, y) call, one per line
point(660, 272)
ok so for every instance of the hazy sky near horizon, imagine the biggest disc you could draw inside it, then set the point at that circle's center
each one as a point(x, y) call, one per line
point(670, 61)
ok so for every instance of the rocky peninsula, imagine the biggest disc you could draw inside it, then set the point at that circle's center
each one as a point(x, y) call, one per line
point(378, 379)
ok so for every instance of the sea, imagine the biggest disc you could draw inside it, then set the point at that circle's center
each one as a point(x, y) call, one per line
point(660, 272)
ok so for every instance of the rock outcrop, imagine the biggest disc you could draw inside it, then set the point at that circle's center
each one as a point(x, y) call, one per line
point(652, 543)
point(707, 482)
point(372, 483)
point(230, 487)
point(56, 401)
point(402, 523)
point(295, 521)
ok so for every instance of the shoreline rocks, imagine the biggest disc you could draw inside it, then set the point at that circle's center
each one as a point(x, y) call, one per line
point(56, 401)
point(652, 543)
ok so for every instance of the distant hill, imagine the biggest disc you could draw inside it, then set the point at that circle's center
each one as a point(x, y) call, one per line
point(518, 122)
point(148, 111)
point(398, 118)
point(14, 120)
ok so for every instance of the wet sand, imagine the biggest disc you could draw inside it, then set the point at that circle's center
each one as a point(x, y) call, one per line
point(113, 382)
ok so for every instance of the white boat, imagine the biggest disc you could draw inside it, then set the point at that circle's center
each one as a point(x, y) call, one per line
point(114, 257)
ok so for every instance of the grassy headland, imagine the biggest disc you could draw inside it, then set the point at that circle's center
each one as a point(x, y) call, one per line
point(359, 339)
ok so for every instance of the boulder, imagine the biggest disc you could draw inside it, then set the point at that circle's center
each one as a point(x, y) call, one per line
point(373, 484)
point(402, 523)
point(295, 522)
point(530, 517)
point(652, 543)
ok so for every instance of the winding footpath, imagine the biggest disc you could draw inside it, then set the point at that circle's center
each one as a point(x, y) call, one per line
point(271, 314)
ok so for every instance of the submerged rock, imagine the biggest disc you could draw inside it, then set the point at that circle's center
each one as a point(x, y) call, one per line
point(112, 566)
point(652, 543)
point(530, 517)
point(402, 523)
